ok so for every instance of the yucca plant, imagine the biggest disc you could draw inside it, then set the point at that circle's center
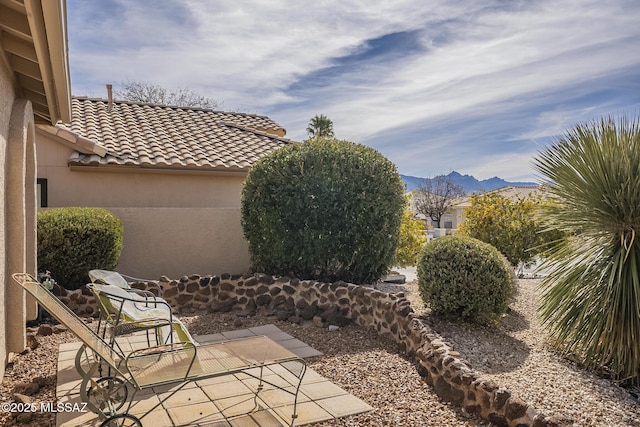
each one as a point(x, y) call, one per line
point(591, 297)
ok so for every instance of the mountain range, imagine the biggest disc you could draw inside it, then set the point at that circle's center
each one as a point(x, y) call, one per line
point(469, 183)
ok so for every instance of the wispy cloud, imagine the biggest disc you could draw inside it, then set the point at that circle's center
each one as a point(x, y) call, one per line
point(431, 85)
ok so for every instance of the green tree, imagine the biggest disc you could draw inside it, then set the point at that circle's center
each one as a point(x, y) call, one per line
point(512, 225)
point(319, 127)
point(326, 210)
point(591, 298)
point(410, 241)
point(140, 91)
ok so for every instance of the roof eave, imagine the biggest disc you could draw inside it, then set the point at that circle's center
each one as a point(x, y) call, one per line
point(72, 140)
point(47, 21)
point(93, 167)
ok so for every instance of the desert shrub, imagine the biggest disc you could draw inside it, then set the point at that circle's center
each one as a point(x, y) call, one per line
point(463, 278)
point(72, 241)
point(590, 300)
point(326, 210)
point(512, 225)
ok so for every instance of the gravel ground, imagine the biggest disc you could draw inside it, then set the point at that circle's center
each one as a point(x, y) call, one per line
point(514, 354)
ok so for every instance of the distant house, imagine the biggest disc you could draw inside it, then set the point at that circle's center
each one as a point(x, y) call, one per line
point(173, 176)
point(34, 88)
point(511, 191)
point(452, 219)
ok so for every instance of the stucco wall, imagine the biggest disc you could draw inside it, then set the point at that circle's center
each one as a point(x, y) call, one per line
point(179, 241)
point(174, 223)
point(6, 102)
point(130, 188)
point(17, 214)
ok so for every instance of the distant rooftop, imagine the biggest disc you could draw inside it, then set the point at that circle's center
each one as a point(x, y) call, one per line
point(130, 134)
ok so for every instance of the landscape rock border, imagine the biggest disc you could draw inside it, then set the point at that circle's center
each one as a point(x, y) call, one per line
point(337, 304)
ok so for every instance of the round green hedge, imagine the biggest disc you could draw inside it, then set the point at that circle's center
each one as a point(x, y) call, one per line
point(463, 278)
point(324, 210)
point(72, 241)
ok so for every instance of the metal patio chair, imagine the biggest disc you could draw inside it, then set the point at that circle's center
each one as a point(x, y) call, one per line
point(124, 312)
point(178, 363)
point(108, 277)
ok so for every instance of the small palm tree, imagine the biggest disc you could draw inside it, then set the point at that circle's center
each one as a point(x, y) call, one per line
point(320, 127)
point(591, 298)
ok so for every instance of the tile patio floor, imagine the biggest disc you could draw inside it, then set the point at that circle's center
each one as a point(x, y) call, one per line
point(201, 403)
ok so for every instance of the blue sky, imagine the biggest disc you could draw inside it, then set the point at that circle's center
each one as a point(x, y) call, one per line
point(476, 87)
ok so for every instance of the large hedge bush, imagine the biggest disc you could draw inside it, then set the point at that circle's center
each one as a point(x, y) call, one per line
point(72, 241)
point(325, 210)
point(464, 278)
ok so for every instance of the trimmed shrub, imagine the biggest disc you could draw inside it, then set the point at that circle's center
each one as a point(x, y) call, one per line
point(463, 278)
point(325, 210)
point(511, 225)
point(72, 241)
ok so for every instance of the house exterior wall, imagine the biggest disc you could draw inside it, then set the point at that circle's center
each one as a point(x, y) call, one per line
point(17, 214)
point(175, 223)
point(6, 103)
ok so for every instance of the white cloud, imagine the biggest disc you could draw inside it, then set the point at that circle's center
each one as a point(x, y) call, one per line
point(482, 62)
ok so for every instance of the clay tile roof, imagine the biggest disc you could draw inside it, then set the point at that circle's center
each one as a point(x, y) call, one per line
point(159, 136)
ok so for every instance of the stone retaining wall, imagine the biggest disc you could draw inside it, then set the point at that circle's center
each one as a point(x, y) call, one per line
point(338, 304)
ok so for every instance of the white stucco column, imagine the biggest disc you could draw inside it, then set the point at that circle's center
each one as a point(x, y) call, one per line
point(20, 230)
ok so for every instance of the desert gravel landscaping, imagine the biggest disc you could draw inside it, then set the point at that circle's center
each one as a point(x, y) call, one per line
point(514, 354)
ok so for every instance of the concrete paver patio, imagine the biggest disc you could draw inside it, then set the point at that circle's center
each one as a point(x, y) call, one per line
point(220, 401)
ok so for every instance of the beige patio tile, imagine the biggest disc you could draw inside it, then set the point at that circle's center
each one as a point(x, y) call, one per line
point(262, 418)
point(171, 387)
point(306, 352)
point(74, 418)
point(216, 380)
point(202, 339)
point(270, 378)
point(68, 419)
point(226, 400)
point(143, 403)
point(66, 362)
point(68, 355)
point(70, 346)
point(183, 397)
point(228, 389)
point(265, 329)
point(343, 405)
point(285, 374)
point(279, 336)
point(239, 405)
point(292, 344)
point(245, 421)
point(274, 397)
point(157, 418)
point(68, 388)
point(241, 333)
point(196, 414)
point(308, 412)
point(322, 390)
point(67, 374)
point(311, 376)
